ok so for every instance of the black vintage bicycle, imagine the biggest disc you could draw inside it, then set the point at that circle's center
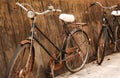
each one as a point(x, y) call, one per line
point(73, 55)
point(107, 33)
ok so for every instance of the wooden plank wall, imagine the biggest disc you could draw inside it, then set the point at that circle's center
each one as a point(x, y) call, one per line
point(14, 24)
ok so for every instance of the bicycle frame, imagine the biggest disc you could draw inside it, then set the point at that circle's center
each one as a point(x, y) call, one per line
point(32, 37)
point(107, 28)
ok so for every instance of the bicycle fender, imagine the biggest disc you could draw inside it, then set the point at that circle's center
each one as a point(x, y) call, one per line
point(75, 30)
point(25, 42)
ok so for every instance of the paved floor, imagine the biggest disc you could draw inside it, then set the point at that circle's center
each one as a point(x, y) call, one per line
point(110, 68)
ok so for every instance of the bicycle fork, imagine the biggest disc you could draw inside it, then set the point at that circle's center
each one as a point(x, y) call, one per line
point(24, 71)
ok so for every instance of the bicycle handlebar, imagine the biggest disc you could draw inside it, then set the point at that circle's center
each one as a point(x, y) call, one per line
point(111, 7)
point(50, 9)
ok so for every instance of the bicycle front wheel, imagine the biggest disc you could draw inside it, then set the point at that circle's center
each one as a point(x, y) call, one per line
point(77, 48)
point(117, 38)
point(101, 47)
point(21, 64)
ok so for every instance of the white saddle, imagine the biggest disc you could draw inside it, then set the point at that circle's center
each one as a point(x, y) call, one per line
point(67, 17)
point(115, 13)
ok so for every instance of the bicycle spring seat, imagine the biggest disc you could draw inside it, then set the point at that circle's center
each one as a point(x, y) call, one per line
point(115, 13)
point(67, 17)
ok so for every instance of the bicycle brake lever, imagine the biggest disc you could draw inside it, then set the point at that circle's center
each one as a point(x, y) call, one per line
point(53, 9)
point(118, 7)
point(86, 11)
point(50, 7)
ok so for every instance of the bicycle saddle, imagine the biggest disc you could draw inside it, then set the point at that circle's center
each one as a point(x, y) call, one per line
point(67, 17)
point(115, 13)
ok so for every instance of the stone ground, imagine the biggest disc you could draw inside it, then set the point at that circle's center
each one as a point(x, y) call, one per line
point(110, 68)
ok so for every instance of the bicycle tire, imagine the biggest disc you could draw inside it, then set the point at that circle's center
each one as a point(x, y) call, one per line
point(117, 38)
point(101, 47)
point(19, 60)
point(76, 59)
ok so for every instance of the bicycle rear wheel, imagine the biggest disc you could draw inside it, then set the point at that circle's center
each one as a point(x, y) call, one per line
point(77, 48)
point(101, 47)
point(19, 67)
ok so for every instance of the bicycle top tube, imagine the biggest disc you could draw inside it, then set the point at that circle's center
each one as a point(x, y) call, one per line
point(31, 13)
point(98, 3)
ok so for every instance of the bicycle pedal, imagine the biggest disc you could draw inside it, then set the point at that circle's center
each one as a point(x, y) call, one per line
point(56, 62)
point(48, 73)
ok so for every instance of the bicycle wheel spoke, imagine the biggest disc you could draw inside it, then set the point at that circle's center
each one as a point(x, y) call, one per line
point(17, 67)
point(78, 56)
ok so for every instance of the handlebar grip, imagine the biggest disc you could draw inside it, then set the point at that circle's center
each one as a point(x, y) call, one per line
point(21, 6)
point(92, 4)
point(118, 7)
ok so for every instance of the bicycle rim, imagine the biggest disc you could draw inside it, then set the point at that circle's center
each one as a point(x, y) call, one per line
point(17, 67)
point(77, 51)
point(117, 38)
point(101, 48)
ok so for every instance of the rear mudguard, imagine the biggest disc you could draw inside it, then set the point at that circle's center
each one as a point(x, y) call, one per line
point(75, 30)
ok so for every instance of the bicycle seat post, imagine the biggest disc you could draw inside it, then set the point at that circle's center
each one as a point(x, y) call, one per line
point(65, 28)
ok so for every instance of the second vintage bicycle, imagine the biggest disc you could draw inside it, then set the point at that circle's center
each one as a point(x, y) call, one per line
point(107, 34)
